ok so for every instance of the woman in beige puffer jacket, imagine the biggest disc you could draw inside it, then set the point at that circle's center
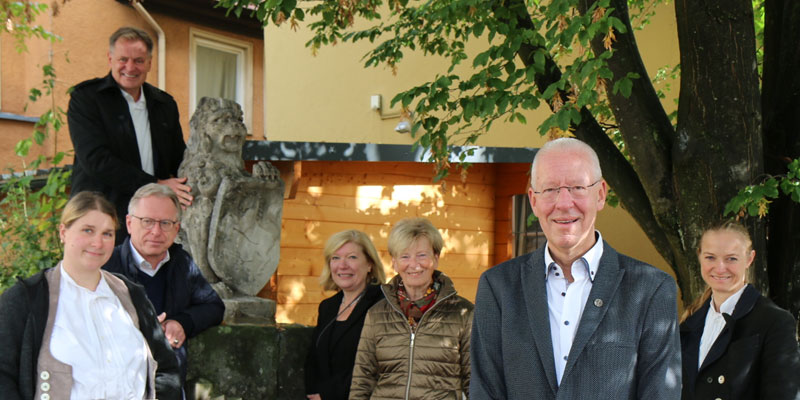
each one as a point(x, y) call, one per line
point(415, 342)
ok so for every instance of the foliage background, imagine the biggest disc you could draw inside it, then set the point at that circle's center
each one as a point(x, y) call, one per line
point(31, 205)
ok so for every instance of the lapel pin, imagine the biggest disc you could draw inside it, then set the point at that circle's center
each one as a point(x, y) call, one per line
point(598, 302)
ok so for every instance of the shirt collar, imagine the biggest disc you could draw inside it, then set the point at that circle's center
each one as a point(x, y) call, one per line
point(102, 289)
point(728, 305)
point(590, 259)
point(143, 264)
point(130, 99)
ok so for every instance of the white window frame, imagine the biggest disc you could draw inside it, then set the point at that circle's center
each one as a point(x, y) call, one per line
point(244, 53)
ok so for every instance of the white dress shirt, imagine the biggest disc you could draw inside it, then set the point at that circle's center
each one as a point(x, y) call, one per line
point(144, 265)
point(141, 124)
point(566, 301)
point(96, 336)
point(715, 322)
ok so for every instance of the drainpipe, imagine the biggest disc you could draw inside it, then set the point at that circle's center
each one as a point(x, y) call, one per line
point(162, 46)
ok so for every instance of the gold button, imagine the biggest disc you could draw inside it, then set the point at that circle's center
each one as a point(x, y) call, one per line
point(598, 302)
point(721, 379)
point(44, 375)
point(45, 386)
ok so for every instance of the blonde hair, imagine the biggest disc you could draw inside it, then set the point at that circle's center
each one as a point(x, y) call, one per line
point(724, 225)
point(335, 242)
point(408, 230)
point(84, 202)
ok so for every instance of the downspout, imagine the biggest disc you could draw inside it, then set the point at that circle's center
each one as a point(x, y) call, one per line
point(162, 43)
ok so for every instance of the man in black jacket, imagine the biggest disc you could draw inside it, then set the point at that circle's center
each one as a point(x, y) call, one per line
point(126, 133)
point(184, 301)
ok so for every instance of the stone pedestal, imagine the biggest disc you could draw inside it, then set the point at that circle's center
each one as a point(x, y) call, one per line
point(249, 310)
point(251, 362)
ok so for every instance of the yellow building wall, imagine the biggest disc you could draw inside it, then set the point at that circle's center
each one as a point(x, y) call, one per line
point(327, 97)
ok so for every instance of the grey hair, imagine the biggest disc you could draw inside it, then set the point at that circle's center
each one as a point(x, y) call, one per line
point(131, 33)
point(157, 190)
point(568, 144)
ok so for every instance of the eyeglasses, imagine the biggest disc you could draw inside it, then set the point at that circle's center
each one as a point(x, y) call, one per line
point(577, 192)
point(165, 224)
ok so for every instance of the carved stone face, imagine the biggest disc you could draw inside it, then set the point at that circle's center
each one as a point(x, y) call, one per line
point(227, 132)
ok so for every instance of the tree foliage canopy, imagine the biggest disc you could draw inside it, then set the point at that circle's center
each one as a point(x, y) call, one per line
point(675, 172)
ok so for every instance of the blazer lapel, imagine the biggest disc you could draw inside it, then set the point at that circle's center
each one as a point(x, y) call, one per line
point(721, 344)
point(605, 285)
point(743, 307)
point(691, 332)
point(122, 115)
point(157, 137)
point(532, 276)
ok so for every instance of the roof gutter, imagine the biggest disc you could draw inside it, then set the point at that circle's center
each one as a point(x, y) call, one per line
point(162, 42)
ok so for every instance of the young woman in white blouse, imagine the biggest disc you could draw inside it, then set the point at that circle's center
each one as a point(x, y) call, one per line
point(736, 343)
point(76, 332)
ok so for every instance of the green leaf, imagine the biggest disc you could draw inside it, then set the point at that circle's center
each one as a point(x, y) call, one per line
point(481, 59)
point(443, 82)
point(23, 147)
point(563, 119)
point(624, 86)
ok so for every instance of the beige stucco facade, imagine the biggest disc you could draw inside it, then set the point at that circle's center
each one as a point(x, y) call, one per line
point(327, 97)
point(84, 26)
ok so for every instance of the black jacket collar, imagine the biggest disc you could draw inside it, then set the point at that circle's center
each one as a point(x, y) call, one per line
point(150, 91)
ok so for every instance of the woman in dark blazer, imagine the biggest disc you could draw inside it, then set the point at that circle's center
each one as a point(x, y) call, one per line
point(736, 343)
point(353, 268)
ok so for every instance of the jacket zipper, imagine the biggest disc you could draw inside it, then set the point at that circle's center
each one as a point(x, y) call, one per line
point(413, 335)
point(410, 364)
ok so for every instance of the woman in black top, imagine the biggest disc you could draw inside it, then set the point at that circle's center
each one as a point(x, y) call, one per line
point(736, 344)
point(353, 268)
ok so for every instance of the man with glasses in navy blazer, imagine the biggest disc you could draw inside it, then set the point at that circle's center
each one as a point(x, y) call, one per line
point(184, 301)
point(574, 319)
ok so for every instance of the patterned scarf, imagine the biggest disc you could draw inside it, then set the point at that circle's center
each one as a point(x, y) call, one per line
point(412, 309)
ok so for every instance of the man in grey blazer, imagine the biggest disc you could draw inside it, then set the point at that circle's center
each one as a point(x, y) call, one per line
point(574, 319)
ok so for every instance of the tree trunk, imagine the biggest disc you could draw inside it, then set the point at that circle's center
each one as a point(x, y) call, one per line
point(781, 108)
point(718, 148)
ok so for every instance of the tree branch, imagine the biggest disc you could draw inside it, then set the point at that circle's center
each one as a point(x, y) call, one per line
point(618, 171)
point(643, 123)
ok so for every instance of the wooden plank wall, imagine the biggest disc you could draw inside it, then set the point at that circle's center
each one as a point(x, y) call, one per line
point(371, 196)
point(512, 179)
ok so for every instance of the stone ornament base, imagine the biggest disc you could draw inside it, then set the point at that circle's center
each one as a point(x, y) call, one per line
point(248, 310)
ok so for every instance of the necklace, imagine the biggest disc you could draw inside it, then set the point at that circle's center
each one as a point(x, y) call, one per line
point(342, 310)
point(328, 325)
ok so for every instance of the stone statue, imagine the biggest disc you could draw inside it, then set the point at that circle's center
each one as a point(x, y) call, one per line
point(233, 227)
